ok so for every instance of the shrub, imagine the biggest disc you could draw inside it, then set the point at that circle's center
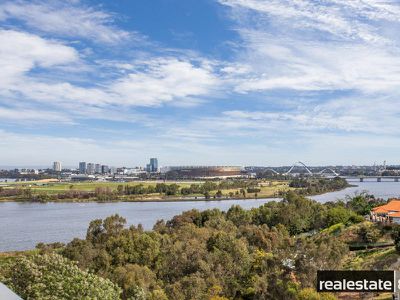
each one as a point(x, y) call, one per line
point(55, 277)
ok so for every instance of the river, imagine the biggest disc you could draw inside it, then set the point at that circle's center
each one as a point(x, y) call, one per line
point(384, 189)
point(23, 225)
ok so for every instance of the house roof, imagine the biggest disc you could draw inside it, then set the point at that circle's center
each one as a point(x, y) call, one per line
point(395, 215)
point(392, 206)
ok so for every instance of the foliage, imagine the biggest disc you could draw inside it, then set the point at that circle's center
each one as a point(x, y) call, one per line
point(340, 214)
point(269, 252)
point(362, 203)
point(311, 186)
point(396, 237)
point(55, 277)
point(310, 294)
point(369, 234)
point(240, 254)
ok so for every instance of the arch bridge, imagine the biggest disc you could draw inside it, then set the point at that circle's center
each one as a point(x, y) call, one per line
point(299, 163)
point(328, 171)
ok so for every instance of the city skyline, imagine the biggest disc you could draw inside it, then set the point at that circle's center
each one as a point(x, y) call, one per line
point(223, 82)
point(82, 165)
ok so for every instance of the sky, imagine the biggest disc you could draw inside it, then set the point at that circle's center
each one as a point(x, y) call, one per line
point(199, 82)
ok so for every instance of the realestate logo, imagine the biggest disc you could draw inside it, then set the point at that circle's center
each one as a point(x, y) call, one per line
point(357, 281)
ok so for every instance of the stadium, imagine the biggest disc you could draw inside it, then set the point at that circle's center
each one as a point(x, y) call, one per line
point(207, 171)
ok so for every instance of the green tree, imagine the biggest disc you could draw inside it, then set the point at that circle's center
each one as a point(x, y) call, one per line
point(396, 237)
point(360, 204)
point(55, 277)
point(339, 214)
point(369, 233)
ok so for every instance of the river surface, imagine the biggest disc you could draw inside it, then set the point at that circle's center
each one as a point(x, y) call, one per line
point(384, 189)
point(23, 225)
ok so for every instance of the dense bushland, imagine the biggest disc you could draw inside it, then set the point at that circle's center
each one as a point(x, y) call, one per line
point(270, 252)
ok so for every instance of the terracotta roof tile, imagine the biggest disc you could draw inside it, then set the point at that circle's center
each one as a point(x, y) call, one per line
point(393, 205)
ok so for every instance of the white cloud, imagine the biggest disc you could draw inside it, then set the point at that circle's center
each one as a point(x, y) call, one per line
point(340, 61)
point(68, 19)
point(32, 116)
point(340, 18)
point(368, 115)
point(27, 76)
point(318, 65)
point(21, 52)
point(310, 45)
point(164, 80)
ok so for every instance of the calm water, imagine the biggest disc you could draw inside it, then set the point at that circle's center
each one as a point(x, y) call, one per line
point(384, 189)
point(23, 225)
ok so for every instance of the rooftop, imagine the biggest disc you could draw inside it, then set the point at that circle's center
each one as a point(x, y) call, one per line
point(392, 206)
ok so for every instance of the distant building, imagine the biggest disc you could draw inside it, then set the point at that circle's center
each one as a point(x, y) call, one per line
point(113, 170)
point(82, 167)
point(105, 169)
point(133, 171)
point(82, 177)
point(388, 213)
point(90, 168)
point(57, 166)
point(207, 171)
point(97, 168)
point(152, 166)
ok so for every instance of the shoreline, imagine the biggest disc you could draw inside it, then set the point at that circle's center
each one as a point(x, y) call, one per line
point(143, 200)
point(157, 200)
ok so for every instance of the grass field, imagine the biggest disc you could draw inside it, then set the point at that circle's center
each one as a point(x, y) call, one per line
point(59, 187)
point(268, 188)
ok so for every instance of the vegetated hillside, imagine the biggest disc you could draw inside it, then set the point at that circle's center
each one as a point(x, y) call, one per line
point(270, 252)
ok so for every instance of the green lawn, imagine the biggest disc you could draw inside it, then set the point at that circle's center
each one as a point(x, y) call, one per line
point(268, 189)
point(54, 188)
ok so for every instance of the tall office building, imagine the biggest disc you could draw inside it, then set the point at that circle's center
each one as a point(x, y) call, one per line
point(113, 170)
point(104, 169)
point(57, 166)
point(90, 168)
point(97, 168)
point(82, 167)
point(153, 165)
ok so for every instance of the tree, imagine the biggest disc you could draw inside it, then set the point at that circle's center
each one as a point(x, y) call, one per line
point(338, 214)
point(120, 189)
point(360, 204)
point(396, 237)
point(137, 281)
point(369, 234)
point(238, 215)
point(55, 277)
point(310, 294)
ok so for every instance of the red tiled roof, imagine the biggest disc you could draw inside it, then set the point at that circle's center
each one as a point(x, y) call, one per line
point(393, 205)
point(395, 215)
point(380, 209)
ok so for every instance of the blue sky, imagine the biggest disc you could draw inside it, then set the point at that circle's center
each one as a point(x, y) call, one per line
point(237, 82)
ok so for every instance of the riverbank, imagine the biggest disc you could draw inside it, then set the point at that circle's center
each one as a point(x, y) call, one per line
point(109, 192)
point(164, 199)
point(147, 200)
point(142, 191)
